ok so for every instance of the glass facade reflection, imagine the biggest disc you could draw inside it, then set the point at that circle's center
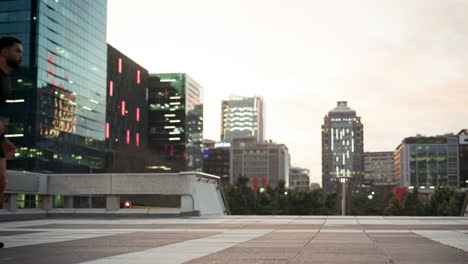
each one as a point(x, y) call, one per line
point(59, 125)
point(428, 161)
point(175, 122)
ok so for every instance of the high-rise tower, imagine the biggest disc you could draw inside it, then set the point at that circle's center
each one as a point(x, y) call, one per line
point(243, 117)
point(342, 148)
point(175, 122)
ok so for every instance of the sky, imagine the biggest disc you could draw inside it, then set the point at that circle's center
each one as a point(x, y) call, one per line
point(401, 64)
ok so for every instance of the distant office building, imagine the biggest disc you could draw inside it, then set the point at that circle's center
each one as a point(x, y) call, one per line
point(243, 117)
point(175, 123)
point(342, 148)
point(463, 149)
point(379, 173)
point(216, 159)
point(314, 186)
point(379, 168)
point(426, 162)
point(263, 163)
point(57, 108)
point(299, 178)
point(126, 118)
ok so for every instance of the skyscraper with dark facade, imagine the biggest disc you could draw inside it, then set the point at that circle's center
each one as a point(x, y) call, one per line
point(216, 159)
point(342, 148)
point(175, 123)
point(126, 115)
point(58, 105)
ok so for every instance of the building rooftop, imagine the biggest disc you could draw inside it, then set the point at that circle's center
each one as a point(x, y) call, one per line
point(342, 107)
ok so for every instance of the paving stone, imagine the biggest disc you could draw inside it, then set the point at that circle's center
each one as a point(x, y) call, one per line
point(238, 239)
point(341, 258)
point(12, 233)
point(81, 250)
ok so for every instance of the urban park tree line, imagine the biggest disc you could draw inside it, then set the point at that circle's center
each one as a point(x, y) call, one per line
point(243, 200)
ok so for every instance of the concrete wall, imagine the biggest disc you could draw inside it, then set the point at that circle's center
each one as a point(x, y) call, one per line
point(139, 183)
point(25, 182)
point(200, 193)
point(206, 194)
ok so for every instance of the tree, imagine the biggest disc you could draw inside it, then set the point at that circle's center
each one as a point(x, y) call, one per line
point(240, 197)
point(412, 204)
point(393, 207)
point(445, 202)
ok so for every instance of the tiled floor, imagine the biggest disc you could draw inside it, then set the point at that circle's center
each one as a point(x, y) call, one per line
point(237, 239)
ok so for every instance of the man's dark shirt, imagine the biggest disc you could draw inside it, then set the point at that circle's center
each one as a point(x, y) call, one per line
point(5, 90)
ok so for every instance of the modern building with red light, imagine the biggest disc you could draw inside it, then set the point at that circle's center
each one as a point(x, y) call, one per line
point(126, 116)
point(57, 108)
point(175, 123)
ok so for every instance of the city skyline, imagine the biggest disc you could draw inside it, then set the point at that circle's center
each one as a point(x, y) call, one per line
point(400, 65)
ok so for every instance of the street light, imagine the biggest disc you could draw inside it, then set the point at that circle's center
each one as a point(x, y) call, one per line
point(344, 180)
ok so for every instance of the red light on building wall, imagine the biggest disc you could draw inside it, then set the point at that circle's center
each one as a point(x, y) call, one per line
point(137, 139)
point(122, 108)
point(255, 184)
point(120, 65)
point(128, 136)
point(111, 88)
point(107, 131)
point(138, 76)
point(264, 182)
point(138, 114)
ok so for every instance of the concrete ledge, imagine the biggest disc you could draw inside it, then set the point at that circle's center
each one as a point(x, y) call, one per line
point(194, 192)
point(22, 214)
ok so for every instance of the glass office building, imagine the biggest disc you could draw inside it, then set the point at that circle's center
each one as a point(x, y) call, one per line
point(426, 162)
point(175, 122)
point(58, 105)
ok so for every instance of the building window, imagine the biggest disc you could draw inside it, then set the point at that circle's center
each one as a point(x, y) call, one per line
point(122, 108)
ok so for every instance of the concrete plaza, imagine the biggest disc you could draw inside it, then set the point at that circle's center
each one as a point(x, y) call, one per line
point(237, 239)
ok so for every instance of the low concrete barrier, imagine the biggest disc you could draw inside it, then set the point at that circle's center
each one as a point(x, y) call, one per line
point(199, 193)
